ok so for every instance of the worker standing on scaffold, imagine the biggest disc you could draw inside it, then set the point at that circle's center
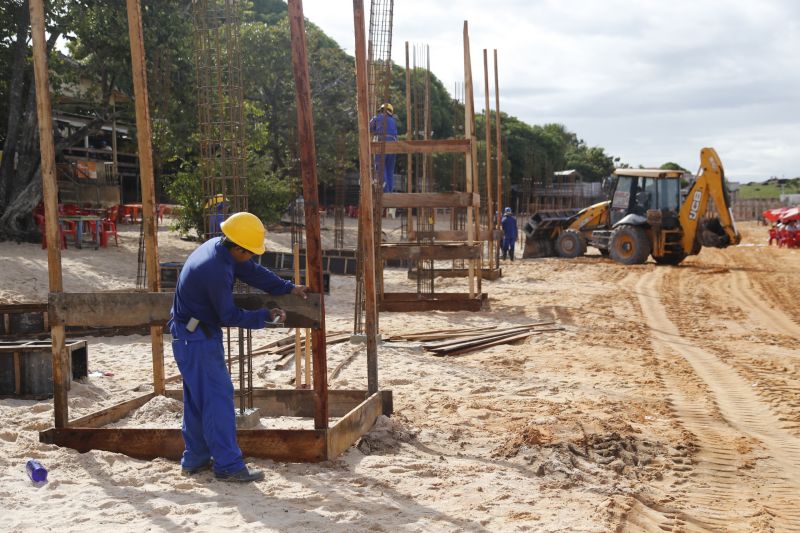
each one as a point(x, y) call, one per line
point(383, 127)
point(509, 224)
point(204, 304)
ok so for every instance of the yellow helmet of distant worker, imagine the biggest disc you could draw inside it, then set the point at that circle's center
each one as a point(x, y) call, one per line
point(388, 107)
point(246, 230)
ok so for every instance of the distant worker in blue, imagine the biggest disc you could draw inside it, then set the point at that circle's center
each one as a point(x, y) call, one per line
point(383, 127)
point(509, 224)
point(204, 304)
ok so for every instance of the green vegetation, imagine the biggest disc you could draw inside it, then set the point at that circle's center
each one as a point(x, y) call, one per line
point(769, 189)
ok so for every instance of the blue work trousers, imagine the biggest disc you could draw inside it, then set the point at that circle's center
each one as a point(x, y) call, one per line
point(507, 244)
point(209, 417)
point(387, 171)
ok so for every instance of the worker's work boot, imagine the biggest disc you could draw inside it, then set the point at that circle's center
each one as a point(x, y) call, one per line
point(511, 254)
point(242, 476)
point(197, 469)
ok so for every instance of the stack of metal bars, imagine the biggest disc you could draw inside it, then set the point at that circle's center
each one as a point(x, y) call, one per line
point(379, 72)
point(221, 122)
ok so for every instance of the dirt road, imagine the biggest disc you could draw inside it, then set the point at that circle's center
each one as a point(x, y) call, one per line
point(670, 402)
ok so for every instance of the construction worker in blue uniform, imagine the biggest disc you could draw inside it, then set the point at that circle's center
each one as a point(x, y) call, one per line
point(383, 127)
point(203, 305)
point(509, 224)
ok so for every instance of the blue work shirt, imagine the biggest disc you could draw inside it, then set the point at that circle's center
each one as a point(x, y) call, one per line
point(381, 121)
point(205, 291)
point(509, 224)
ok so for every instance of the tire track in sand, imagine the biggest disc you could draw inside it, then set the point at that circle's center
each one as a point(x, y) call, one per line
point(760, 303)
point(719, 492)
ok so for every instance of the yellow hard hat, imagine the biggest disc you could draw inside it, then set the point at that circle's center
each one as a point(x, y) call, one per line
point(214, 200)
point(388, 107)
point(246, 230)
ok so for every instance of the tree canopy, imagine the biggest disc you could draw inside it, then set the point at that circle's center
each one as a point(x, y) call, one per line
point(97, 49)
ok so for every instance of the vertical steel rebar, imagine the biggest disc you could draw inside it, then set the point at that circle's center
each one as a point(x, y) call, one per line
point(223, 163)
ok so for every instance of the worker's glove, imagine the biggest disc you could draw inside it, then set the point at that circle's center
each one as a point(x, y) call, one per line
point(278, 315)
point(300, 290)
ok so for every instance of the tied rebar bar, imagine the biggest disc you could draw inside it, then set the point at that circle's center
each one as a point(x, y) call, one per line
point(338, 201)
point(426, 218)
point(221, 122)
point(458, 215)
point(379, 73)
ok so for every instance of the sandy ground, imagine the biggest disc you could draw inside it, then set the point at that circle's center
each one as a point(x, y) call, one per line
point(670, 403)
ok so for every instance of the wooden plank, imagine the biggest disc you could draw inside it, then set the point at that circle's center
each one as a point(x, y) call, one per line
point(370, 263)
point(141, 308)
point(295, 402)
point(504, 340)
point(431, 199)
point(442, 251)
point(460, 235)
point(469, 133)
point(439, 302)
point(422, 146)
point(488, 156)
point(486, 273)
point(498, 152)
point(145, 152)
point(111, 414)
point(477, 339)
point(409, 134)
point(50, 193)
point(146, 443)
point(354, 425)
point(308, 171)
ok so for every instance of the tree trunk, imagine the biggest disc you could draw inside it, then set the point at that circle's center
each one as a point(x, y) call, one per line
point(16, 95)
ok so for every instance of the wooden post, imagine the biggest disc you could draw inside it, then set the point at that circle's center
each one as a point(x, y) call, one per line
point(298, 353)
point(44, 114)
point(489, 211)
point(498, 144)
point(308, 170)
point(469, 113)
point(499, 151)
point(366, 208)
point(409, 137)
point(144, 144)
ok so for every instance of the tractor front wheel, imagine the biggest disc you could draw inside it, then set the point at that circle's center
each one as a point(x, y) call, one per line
point(629, 245)
point(570, 244)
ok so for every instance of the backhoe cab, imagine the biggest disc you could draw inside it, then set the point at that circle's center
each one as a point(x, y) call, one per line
point(644, 216)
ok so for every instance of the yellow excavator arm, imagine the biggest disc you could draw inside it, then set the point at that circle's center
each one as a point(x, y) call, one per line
point(710, 183)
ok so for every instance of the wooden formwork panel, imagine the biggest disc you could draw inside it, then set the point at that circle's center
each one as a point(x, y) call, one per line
point(441, 251)
point(489, 274)
point(408, 302)
point(358, 411)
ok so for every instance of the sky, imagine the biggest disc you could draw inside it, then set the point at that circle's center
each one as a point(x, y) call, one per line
point(650, 81)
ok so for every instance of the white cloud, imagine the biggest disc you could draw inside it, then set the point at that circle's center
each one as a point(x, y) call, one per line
point(648, 80)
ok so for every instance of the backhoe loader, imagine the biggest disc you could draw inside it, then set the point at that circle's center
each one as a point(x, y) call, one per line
point(644, 216)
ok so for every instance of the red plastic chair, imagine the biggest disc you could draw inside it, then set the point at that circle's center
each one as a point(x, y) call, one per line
point(61, 235)
point(162, 208)
point(109, 226)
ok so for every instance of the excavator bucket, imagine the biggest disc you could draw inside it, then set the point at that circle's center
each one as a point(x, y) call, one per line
point(542, 229)
point(712, 234)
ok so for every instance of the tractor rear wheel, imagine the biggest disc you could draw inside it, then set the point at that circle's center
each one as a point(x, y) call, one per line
point(570, 244)
point(629, 245)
